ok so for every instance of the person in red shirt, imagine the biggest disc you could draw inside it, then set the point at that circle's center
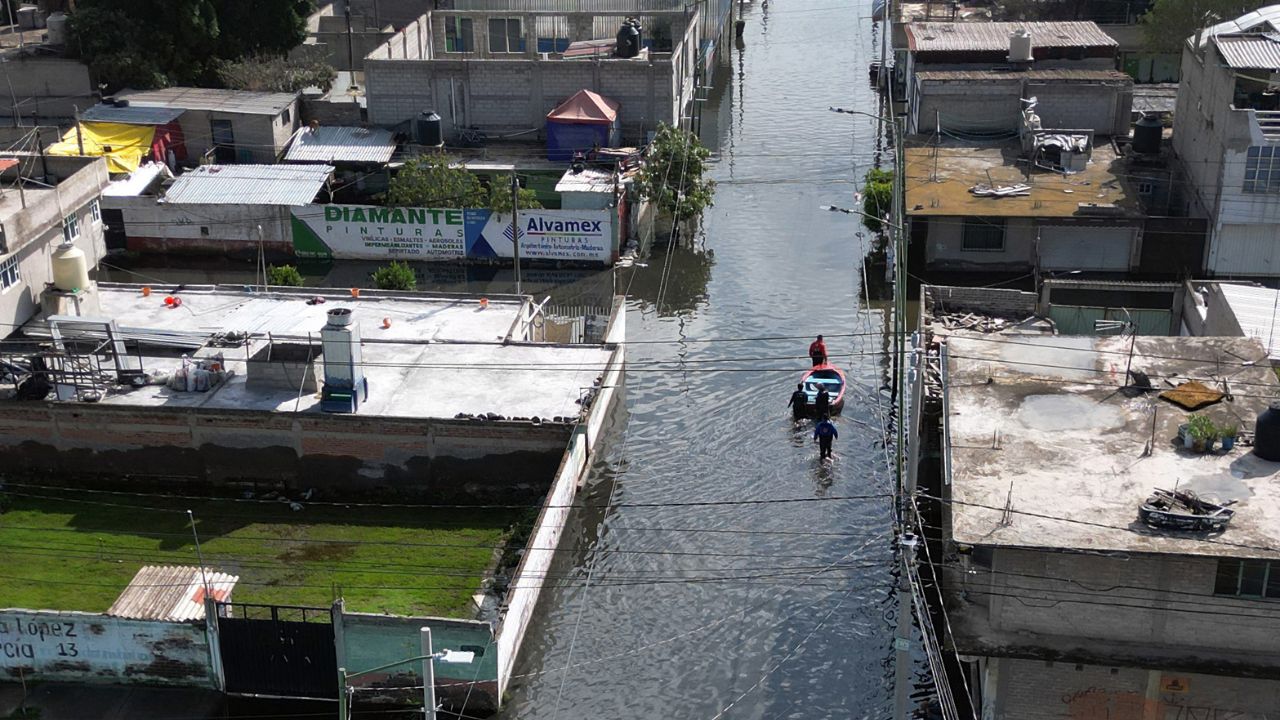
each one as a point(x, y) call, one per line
point(818, 351)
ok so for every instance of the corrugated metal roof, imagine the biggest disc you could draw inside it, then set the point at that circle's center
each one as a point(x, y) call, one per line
point(1060, 74)
point(136, 182)
point(1255, 310)
point(342, 144)
point(249, 185)
point(993, 36)
point(591, 180)
point(171, 592)
point(131, 115)
point(230, 101)
point(1265, 19)
point(1259, 52)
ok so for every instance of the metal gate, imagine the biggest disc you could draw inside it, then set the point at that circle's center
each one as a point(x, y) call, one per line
point(278, 650)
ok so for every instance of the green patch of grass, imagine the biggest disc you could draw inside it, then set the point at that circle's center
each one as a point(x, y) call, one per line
point(69, 551)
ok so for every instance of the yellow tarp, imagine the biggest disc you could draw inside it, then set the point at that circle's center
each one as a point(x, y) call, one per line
point(122, 145)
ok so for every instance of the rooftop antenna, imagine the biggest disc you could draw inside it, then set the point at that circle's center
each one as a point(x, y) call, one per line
point(1006, 515)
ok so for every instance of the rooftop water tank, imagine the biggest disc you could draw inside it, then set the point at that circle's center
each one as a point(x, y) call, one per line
point(428, 129)
point(1020, 46)
point(70, 269)
point(628, 39)
point(1266, 436)
point(57, 24)
point(1147, 134)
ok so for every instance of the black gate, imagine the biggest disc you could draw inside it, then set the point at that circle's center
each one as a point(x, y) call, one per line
point(278, 650)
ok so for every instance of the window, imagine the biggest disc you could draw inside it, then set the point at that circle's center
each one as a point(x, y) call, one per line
point(95, 212)
point(457, 35)
point(286, 117)
point(1262, 170)
point(1145, 188)
point(70, 228)
point(983, 235)
point(9, 272)
point(505, 35)
point(1248, 578)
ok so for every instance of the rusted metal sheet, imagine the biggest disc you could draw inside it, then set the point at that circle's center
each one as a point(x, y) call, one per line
point(88, 647)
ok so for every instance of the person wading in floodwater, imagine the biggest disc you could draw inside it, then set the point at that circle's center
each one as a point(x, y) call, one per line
point(818, 351)
point(824, 432)
point(799, 403)
point(822, 403)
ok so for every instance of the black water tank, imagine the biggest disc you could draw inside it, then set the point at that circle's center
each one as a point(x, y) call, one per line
point(1266, 436)
point(428, 129)
point(628, 40)
point(1147, 134)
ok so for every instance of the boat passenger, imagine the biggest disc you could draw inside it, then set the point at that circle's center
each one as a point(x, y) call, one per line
point(818, 351)
point(799, 402)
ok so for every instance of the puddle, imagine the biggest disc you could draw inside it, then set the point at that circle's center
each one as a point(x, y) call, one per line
point(1067, 412)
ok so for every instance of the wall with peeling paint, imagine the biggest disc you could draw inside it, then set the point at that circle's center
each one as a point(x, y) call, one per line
point(88, 647)
point(1035, 690)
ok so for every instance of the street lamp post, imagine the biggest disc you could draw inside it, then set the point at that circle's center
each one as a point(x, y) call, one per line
point(428, 659)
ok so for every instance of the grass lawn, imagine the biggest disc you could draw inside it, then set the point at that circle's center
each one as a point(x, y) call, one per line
point(77, 551)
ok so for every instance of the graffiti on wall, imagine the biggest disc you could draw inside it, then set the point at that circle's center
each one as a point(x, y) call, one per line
point(1096, 703)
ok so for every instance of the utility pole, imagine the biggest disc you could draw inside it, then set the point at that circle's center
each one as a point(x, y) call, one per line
point(902, 632)
point(428, 676)
point(79, 137)
point(515, 225)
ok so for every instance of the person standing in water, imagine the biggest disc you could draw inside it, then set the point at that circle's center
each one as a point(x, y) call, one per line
point(799, 403)
point(822, 403)
point(818, 351)
point(825, 432)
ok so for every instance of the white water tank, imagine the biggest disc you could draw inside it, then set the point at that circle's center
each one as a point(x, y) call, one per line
point(70, 269)
point(1020, 46)
point(57, 25)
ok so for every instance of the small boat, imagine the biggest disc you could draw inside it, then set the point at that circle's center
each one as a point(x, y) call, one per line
point(828, 376)
point(1184, 510)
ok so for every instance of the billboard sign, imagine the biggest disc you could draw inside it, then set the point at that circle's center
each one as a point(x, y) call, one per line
point(363, 232)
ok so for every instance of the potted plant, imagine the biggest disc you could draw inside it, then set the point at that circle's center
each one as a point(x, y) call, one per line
point(1228, 432)
point(1200, 433)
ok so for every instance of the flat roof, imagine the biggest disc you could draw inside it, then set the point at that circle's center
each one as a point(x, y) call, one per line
point(249, 185)
point(994, 36)
point(246, 102)
point(1249, 51)
point(131, 114)
point(332, 143)
point(1061, 74)
point(1255, 310)
point(945, 191)
point(1040, 422)
point(441, 356)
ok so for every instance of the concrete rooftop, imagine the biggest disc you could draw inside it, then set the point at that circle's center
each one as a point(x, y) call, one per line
point(1040, 420)
point(441, 356)
point(938, 181)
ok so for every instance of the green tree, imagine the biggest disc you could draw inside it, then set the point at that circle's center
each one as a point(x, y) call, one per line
point(396, 276)
point(672, 174)
point(284, 276)
point(877, 197)
point(154, 43)
point(1170, 22)
point(432, 181)
point(500, 196)
point(275, 74)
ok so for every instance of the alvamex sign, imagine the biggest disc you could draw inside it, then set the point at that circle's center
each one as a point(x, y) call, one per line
point(366, 232)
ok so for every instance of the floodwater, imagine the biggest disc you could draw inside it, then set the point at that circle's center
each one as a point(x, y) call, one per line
point(774, 609)
point(765, 610)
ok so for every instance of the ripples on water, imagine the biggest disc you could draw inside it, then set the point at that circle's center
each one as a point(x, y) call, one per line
point(766, 644)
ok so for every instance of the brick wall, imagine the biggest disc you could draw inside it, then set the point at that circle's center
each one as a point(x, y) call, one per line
point(992, 301)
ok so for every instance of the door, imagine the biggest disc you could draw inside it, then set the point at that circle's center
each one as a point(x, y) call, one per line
point(224, 141)
point(1086, 248)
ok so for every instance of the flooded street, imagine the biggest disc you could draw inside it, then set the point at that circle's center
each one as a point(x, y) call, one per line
point(700, 605)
